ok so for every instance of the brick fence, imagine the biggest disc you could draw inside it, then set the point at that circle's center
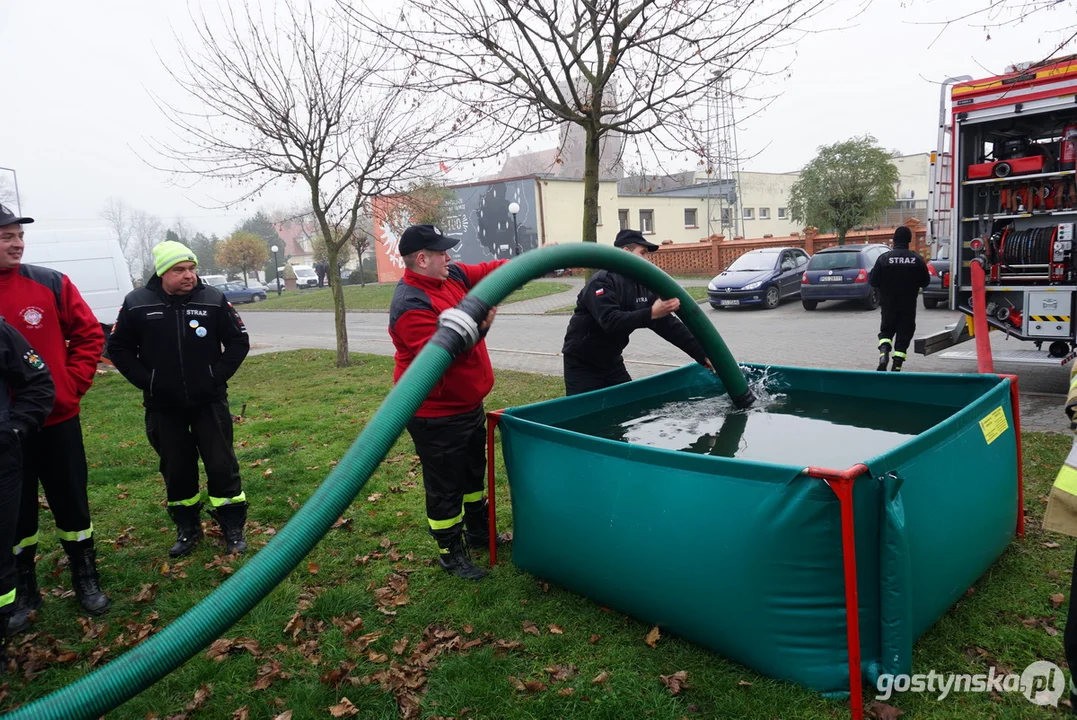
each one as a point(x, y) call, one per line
point(712, 255)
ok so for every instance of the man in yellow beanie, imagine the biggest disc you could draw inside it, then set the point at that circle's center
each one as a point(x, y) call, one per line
point(179, 341)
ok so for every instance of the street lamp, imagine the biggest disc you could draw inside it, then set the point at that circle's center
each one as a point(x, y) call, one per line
point(276, 268)
point(514, 208)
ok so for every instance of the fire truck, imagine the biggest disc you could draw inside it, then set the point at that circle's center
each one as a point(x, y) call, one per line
point(1004, 199)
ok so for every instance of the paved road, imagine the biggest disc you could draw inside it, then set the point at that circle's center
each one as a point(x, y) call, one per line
point(837, 336)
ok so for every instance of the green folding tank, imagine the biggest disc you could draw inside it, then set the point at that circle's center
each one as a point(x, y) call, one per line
point(746, 556)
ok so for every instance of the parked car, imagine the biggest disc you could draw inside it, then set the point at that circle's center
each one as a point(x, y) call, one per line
point(841, 273)
point(938, 289)
point(759, 277)
point(214, 280)
point(236, 293)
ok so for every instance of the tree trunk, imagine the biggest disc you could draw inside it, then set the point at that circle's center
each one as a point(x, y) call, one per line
point(339, 314)
point(591, 153)
point(841, 236)
point(246, 274)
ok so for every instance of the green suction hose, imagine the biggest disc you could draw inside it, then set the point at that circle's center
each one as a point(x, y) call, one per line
point(110, 686)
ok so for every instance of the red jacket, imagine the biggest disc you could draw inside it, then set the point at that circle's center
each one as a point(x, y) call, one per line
point(49, 312)
point(413, 319)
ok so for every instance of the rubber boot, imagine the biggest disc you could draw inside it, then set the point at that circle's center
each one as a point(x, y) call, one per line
point(27, 594)
point(188, 521)
point(86, 581)
point(898, 362)
point(232, 519)
point(453, 554)
point(884, 356)
point(477, 524)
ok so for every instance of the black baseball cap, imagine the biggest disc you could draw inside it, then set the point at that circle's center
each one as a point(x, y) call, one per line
point(9, 218)
point(633, 237)
point(425, 237)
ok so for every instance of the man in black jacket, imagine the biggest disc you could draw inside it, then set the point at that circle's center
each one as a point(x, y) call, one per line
point(608, 309)
point(899, 275)
point(168, 342)
point(26, 397)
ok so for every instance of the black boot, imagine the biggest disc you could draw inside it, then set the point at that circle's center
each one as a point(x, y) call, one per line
point(86, 581)
point(884, 356)
point(477, 524)
point(188, 519)
point(27, 594)
point(3, 644)
point(454, 556)
point(898, 362)
point(232, 518)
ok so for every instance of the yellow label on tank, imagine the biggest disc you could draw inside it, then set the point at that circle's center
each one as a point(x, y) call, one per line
point(994, 425)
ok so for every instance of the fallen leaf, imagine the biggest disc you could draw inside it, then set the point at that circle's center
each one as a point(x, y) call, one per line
point(67, 657)
point(268, 472)
point(652, 637)
point(744, 683)
point(556, 630)
point(374, 498)
point(242, 714)
point(535, 686)
point(515, 682)
point(882, 711)
point(1049, 546)
point(1057, 599)
point(675, 682)
point(565, 692)
point(532, 628)
point(376, 657)
point(343, 709)
point(286, 715)
point(601, 678)
point(594, 639)
point(559, 672)
point(1053, 575)
point(400, 645)
point(313, 568)
point(200, 696)
point(267, 674)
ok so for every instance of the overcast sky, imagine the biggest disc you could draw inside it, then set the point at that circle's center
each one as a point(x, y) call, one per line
point(78, 110)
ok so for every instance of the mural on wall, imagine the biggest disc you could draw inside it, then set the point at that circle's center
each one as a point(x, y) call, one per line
point(477, 214)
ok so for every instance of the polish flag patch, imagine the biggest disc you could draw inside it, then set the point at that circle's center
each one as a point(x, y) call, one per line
point(599, 291)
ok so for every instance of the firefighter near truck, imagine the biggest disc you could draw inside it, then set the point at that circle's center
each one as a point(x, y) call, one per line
point(1004, 199)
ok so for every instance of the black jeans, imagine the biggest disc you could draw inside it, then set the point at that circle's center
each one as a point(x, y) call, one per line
point(898, 323)
point(581, 377)
point(10, 490)
point(55, 457)
point(180, 436)
point(453, 454)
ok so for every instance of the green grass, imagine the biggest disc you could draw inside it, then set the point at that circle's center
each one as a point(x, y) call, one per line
point(699, 294)
point(377, 297)
point(302, 415)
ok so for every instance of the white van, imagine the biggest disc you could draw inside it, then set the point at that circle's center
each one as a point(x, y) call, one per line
point(305, 276)
point(91, 257)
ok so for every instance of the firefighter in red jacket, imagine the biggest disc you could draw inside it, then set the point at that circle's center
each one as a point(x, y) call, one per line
point(449, 428)
point(26, 397)
point(48, 311)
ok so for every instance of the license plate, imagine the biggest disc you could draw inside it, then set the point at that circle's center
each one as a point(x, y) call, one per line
point(729, 302)
point(831, 278)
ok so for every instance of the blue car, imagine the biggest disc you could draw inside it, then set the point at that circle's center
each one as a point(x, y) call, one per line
point(760, 277)
point(236, 293)
point(841, 273)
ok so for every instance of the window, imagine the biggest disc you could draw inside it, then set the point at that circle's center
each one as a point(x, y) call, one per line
point(600, 215)
point(749, 214)
point(788, 263)
point(646, 222)
point(622, 219)
point(690, 218)
point(727, 217)
point(764, 213)
point(802, 258)
point(781, 213)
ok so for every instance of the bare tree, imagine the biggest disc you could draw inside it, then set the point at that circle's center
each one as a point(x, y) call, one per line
point(1059, 20)
point(606, 68)
point(8, 196)
point(294, 94)
point(119, 217)
point(146, 231)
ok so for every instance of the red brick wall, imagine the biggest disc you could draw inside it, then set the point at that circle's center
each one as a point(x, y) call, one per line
point(712, 255)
